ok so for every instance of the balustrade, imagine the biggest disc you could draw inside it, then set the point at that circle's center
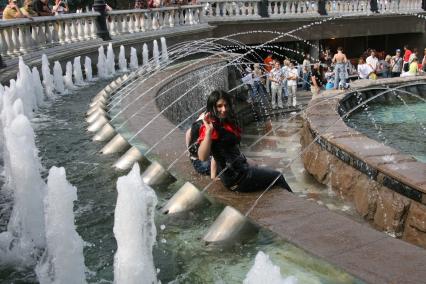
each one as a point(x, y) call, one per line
point(141, 20)
point(21, 36)
point(222, 9)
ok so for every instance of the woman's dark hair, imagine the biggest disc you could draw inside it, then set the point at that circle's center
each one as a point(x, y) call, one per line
point(213, 98)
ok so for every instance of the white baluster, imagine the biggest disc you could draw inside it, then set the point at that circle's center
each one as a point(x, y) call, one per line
point(21, 38)
point(80, 29)
point(125, 24)
point(28, 38)
point(67, 31)
point(15, 40)
point(8, 39)
point(160, 19)
point(270, 7)
point(3, 43)
point(142, 22)
point(74, 31)
point(131, 23)
point(172, 18)
point(86, 29)
point(155, 20)
point(93, 29)
point(61, 33)
point(217, 9)
point(137, 22)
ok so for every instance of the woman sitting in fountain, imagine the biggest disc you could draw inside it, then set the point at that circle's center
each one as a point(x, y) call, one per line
point(220, 136)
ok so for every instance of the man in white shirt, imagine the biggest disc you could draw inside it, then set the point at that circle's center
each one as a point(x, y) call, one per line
point(292, 77)
point(373, 61)
point(276, 77)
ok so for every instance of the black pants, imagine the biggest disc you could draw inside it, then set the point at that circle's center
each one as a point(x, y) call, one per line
point(373, 6)
point(260, 178)
point(321, 7)
point(395, 74)
point(424, 5)
point(2, 65)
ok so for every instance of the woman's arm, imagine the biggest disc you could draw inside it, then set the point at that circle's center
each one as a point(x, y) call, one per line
point(205, 145)
point(188, 137)
point(213, 168)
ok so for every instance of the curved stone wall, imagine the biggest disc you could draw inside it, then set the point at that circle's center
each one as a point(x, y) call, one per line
point(388, 188)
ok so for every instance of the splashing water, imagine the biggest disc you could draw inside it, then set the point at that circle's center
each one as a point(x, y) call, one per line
point(88, 68)
point(102, 65)
point(25, 230)
point(58, 79)
point(110, 61)
point(134, 230)
point(68, 76)
point(122, 62)
point(47, 77)
point(38, 87)
point(133, 59)
point(24, 88)
point(264, 271)
point(164, 53)
point(145, 58)
point(63, 260)
point(77, 72)
point(156, 54)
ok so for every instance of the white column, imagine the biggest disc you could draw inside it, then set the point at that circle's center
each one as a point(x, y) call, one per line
point(15, 39)
point(86, 29)
point(93, 28)
point(67, 31)
point(74, 30)
point(3, 43)
point(80, 29)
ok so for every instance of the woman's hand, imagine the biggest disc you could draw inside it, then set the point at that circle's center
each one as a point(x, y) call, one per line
point(207, 120)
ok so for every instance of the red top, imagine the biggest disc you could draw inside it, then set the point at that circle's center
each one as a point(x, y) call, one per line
point(215, 135)
point(268, 66)
point(407, 54)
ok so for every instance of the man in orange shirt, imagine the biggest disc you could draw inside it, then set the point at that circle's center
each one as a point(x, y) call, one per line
point(268, 65)
point(406, 58)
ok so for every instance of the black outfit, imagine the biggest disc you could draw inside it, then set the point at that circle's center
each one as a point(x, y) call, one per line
point(40, 7)
point(239, 175)
point(373, 6)
point(318, 78)
point(424, 5)
point(2, 65)
point(321, 7)
point(201, 167)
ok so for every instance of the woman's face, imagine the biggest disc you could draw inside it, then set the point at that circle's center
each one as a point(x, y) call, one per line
point(221, 108)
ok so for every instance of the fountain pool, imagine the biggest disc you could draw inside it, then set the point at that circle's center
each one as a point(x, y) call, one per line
point(179, 254)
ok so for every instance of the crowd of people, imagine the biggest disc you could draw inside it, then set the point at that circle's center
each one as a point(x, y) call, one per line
point(278, 83)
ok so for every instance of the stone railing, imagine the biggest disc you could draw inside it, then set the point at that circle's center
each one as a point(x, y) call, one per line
point(218, 10)
point(24, 35)
point(222, 9)
point(131, 21)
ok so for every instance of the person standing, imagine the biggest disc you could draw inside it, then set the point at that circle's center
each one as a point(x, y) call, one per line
point(406, 58)
point(12, 11)
point(293, 75)
point(275, 77)
point(60, 7)
point(396, 64)
point(364, 70)
point(41, 7)
point(424, 5)
point(321, 7)
point(268, 64)
point(306, 71)
point(316, 79)
point(374, 7)
point(424, 61)
point(373, 61)
point(340, 71)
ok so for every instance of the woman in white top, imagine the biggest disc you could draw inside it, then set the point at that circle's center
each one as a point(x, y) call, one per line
point(60, 7)
point(292, 77)
point(364, 69)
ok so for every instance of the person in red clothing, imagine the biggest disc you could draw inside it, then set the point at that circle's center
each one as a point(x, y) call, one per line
point(220, 137)
point(268, 65)
point(406, 58)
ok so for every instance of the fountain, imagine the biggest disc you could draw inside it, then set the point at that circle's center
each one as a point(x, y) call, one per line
point(58, 79)
point(156, 54)
point(47, 77)
point(102, 64)
point(110, 61)
point(62, 261)
point(133, 59)
point(134, 230)
point(164, 53)
point(88, 69)
point(25, 231)
point(145, 59)
point(68, 77)
point(77, 72)
point(38, 87)
point(122, 62)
